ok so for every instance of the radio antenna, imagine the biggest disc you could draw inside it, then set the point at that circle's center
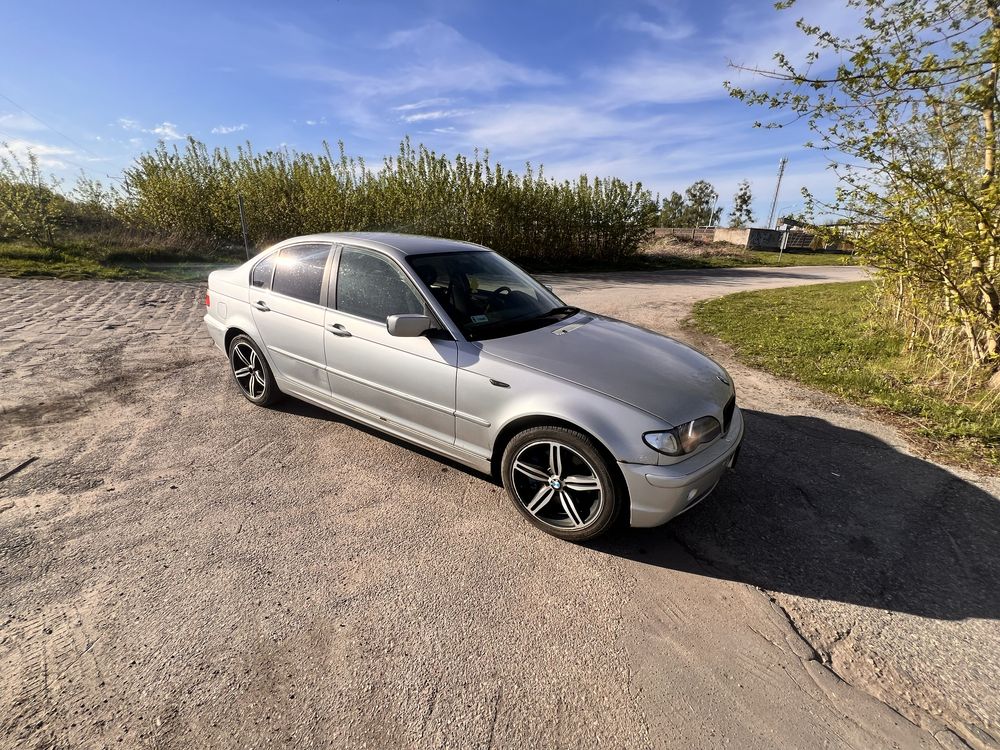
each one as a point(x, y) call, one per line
point(243, 224)
point(774, 201)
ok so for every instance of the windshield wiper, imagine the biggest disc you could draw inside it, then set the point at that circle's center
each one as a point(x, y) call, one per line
point(565, 311)
point(519, 325)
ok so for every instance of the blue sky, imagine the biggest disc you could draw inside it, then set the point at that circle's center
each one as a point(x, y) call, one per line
point(629, 89)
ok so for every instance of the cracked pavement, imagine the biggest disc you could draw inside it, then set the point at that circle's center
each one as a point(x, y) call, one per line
point(179, 568)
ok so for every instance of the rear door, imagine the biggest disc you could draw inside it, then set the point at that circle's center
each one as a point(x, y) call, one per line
point(406, 381)
point(288, 310)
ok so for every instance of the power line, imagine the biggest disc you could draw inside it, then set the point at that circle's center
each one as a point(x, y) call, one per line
point(61, 158)
point(50, 127)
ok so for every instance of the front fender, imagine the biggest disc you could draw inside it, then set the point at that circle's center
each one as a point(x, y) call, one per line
point(485, 409)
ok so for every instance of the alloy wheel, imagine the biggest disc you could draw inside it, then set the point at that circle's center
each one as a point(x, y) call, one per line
point(248, 369)
point(557, 485)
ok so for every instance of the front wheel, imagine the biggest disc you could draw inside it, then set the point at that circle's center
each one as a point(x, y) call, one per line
point(559, 480)
point(251, 373)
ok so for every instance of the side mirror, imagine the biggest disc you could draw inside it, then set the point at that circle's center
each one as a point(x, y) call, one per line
point(408, 326)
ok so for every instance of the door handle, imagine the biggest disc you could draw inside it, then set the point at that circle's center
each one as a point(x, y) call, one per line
point(260, 305)
point(337, 329)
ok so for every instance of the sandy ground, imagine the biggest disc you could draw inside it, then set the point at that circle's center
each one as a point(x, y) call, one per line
point(180, 569)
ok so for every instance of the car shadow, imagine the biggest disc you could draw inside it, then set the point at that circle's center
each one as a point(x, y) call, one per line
point(825, 512)
point(291, 405)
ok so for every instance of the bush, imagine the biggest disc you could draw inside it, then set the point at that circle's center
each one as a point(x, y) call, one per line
point(31, 207)
point(192, 194)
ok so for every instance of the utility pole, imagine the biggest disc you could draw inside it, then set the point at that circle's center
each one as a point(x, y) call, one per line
point(774, 201)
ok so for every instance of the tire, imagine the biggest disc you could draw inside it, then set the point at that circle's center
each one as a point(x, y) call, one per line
point(251, 372)
point(577, 499)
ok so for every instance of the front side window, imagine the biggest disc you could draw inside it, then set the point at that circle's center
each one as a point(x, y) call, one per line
point(299, 272)
point(260, 277)
point(371, 286)
point(486, 295)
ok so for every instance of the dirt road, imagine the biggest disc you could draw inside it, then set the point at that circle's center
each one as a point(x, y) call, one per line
point(180, 569)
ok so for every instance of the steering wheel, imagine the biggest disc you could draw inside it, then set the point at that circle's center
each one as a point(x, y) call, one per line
point(498, 294)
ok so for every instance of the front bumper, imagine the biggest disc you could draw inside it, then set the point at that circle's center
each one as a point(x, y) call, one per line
point(658, 493)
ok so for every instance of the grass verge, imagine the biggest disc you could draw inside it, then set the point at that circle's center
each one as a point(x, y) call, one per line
point(18, 259)
point(826, 336)
point(80, 259)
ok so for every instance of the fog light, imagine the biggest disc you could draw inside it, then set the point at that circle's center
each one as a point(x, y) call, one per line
point(691, 494)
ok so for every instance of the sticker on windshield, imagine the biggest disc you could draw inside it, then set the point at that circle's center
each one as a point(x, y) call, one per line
point(479, 319)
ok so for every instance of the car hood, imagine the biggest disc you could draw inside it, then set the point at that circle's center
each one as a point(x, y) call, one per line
point(652, 372)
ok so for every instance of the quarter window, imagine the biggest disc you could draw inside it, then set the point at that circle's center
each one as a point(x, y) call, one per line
point(261, 275)
point(299, 272)
point(371, 286)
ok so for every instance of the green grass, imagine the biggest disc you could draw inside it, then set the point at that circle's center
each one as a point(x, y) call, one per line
point(76, 261)
point(770, 258)
point(825, 336)
point(81, 258)
point(667, 261)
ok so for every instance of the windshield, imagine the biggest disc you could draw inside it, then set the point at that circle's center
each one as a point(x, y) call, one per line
point(486, 295)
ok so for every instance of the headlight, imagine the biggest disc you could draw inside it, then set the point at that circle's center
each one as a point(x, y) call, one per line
point(684, 438)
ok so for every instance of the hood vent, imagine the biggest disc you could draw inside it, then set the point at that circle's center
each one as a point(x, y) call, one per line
point(571, 327)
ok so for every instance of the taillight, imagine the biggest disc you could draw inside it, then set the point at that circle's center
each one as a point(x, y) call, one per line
point(208, 300)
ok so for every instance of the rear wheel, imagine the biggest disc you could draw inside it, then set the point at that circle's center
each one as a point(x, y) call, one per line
point(251, 373)
point(559, 480)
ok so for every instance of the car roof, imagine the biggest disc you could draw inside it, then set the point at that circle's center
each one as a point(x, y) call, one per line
point(399, 245)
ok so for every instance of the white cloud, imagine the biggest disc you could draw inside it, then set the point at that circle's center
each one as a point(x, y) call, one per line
point(670, 31)
point(48, 156)
point(532, 128)
point(749, 38)
point(655, 112)
point(646, 78)
point(429, 58)
point(16, 121)
point(166, 131)
point(423, 103)
point(436, 114)
point(227, 129)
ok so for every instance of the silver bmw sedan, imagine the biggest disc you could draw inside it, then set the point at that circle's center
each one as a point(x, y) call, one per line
point(452, 347)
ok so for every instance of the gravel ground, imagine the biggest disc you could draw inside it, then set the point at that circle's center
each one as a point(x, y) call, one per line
point(180, 569)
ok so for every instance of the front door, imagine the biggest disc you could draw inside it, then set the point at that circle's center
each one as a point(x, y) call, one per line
point(405, 381)
point(289, 314)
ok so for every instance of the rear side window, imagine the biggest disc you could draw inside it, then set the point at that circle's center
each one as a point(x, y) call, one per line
point(261, 275)
point(372, 286)
point(299, 272)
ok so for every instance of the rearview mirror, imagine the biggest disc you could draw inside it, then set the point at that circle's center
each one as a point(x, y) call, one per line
point(408, 326)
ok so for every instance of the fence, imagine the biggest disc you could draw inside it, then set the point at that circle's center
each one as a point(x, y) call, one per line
point(698, 234)
point(748, 237)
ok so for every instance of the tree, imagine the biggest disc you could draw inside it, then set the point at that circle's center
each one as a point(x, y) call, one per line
point(30, 206)
point(908, 113)
point(672, 212)
point(701, 199)
point(742, 213)
point(697, 207)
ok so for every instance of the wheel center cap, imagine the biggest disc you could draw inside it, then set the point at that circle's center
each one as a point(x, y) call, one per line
point(555, 483)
